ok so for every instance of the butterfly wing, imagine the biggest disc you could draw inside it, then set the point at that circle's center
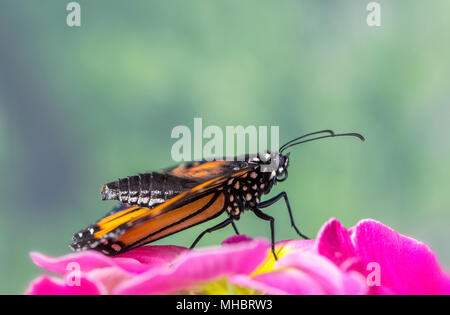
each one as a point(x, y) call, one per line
point(130, 226)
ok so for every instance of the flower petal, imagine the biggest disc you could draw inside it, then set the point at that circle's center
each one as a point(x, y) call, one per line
point(237, 239)
point(259, 286)
point(333, 241)
point(406, 265)
point(325, 273)
point(135, 261)
point(46, 285)
point(109, 277)
point(283, 248)
point(194, 267)
point(154, 255)
point(87, 261)
point(296, 245)
point(291, 281)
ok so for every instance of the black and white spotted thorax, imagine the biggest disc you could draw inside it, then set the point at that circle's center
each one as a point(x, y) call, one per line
point(245, 191)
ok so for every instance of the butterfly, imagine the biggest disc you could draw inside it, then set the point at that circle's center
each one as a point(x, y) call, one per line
point(156, 204)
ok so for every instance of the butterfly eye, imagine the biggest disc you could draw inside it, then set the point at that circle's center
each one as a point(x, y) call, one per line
point(282, 174)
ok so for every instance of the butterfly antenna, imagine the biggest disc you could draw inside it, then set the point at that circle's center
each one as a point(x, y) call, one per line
point(330, 135)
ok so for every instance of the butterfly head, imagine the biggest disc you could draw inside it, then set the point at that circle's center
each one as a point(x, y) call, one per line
point(281, 173)
point(274, 163)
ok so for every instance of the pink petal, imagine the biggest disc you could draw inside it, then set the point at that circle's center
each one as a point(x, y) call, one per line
point(88, 260)
point(247, 282)
point(135, 261)
point(407, 266)
point(291, 281)
point(46, 285)
point(333, 242)
point(325, 273)
point(237, 239)
point(110, 278)
point(296, 244)
point(194, 267)
point(154, 255)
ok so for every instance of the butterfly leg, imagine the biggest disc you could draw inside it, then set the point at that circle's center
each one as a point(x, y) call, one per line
point(271, 201)
point(266, 217)
point(212, 229)
point(234, 227)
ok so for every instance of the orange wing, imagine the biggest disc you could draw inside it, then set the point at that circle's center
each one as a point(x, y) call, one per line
point(205, 169)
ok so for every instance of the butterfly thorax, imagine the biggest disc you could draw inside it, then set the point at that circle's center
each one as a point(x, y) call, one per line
point(244, 192)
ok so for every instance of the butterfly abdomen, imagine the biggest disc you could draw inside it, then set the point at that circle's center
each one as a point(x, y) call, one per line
point(146, 190)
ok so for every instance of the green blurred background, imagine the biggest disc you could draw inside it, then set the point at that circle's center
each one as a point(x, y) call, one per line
point(84, 106)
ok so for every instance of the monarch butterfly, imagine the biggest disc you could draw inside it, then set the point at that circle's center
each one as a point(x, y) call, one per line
point(154, 205)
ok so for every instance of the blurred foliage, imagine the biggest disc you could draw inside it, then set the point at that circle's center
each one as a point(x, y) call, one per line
point(83, 106)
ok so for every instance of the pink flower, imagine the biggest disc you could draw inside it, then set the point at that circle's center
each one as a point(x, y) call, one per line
point(368, 258)
point(307, 273)
point(91, 272)
point(192, 270)
point(403, 265)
